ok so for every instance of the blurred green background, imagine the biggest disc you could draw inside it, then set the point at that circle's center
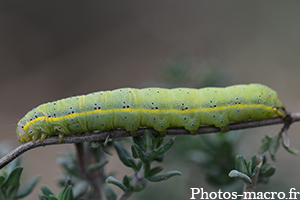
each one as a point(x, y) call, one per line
point(55, 49)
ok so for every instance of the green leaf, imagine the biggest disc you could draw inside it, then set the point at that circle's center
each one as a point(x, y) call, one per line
point(147, 139)
point(95, 144)
point(254, 172)
point(44, 197)
point(140, 153)
point(13, 179)
point(263, 180)
point(158, 142)
point(123, 154)
point(154, 171)
point(292, 150)
point(2, 195)
point(159, 158)
point(285, 139)
point(61, 193)
point(269, 172)
point(266, 138)
point(273, 157)
point(126, 181)
point(140, 186)
point(80, 188)
point(166, 146)
point(52, 197)
point(12, 182)
point(12, 165)
point(249, 166)
point(241, 164)
point(162, 149)
point(68, 194)
point(114, 181)
point(134, 166)
point(109, 193)
point(139, 141)
point(264, 147)
point(264, 167)
point(274, 145)
point(28, 187)
point(240, 175)
point(254, 160)
point(2, 178)
point(139, 164)
point(106, 150)
point(46, 190)
point(163, 177)
point(134, 152)
point(146, 169)
point(286, 144)
point(96, 166)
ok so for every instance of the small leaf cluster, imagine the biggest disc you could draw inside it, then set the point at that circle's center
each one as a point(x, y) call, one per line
point(146, 149)
point(69, 165)
point(10, 184)
point(70, 168)
point(93, 159)
point(64, 194)
point(246, 171)
point(265, 172)
point(10, 177)
point(69, 192)
point(10, 180)
point(271, 143)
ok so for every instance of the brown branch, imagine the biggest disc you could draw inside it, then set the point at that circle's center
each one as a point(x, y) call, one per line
point(120, 133)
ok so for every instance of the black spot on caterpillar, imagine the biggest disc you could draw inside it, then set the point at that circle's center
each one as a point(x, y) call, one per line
point(159, 108)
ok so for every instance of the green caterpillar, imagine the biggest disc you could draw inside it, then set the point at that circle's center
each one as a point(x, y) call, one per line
point(159, 108)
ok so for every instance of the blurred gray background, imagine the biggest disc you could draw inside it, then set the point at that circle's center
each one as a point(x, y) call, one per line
point(55, 49)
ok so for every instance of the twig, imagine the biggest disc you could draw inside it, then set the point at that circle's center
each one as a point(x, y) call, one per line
point(251, 188)
point(138, 177)
point(80, 157)
point(120, 133)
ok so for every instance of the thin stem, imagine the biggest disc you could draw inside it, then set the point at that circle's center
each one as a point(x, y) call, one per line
point(251, 188)
point(80, 157)
point(94, 178)
point(120, 133)
point(138, 177)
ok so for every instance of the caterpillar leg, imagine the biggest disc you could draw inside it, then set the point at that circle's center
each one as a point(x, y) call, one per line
point(192, 127)
point(60, 137)
point(43, 136)
point(133, 133)
point(193, 132)
point(162, 133)
point(224, 129)
point(34, 137)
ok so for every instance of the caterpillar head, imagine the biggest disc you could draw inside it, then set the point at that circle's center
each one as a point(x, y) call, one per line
point(22, 135)
point(279, 107)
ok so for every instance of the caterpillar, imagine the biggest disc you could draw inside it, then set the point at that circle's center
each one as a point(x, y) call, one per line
point(159, 108)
